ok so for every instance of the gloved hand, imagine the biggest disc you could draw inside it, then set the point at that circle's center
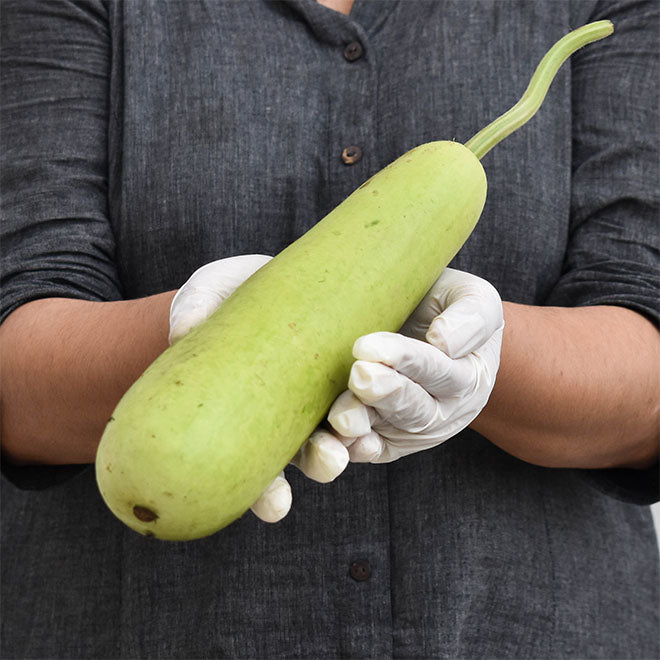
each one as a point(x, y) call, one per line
point(322, 458)
point(409, 393)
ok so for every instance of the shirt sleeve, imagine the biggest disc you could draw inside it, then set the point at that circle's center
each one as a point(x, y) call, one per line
point(612, 258)
point(613, 251)
point(55, 234)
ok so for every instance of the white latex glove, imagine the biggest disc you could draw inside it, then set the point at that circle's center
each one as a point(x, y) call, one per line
point(413, 392)
point(322, 458)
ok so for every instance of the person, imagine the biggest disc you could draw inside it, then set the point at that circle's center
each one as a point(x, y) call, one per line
point(146, 141)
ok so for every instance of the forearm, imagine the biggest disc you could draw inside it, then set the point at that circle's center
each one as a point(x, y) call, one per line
point(65, 365)
point(577, 387)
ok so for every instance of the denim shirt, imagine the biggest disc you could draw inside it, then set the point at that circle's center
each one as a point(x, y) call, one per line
point(143, 139)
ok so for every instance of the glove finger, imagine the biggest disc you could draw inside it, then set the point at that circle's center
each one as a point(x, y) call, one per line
point(470, 309)
point(397, 399)
point(473, 314)
point(401, 443)
point(322, 458)
point(226, 275)
point(367, 448)
point(275, 501)
point(349, 416)
point(192, 308)
point(452, 413)
point(207, 288)
point(433, 303)
point(438, 374)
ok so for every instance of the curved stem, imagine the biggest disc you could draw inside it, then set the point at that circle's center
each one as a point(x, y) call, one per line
point(538, 86)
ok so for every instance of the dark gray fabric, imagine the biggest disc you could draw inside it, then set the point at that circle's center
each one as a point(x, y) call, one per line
point(143, 139)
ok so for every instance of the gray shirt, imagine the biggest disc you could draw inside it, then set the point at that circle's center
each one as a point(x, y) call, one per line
point(144, 139)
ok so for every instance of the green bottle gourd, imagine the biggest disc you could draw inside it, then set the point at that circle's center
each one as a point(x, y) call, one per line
point(199, 436)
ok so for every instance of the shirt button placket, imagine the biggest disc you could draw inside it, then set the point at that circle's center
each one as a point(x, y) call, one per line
point(354, 114)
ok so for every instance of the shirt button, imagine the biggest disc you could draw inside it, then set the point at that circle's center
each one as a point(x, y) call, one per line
point(360, 570)
point(353, 51)
point(351, 155)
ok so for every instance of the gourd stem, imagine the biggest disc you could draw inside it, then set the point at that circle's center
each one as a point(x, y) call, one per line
point(538, 86)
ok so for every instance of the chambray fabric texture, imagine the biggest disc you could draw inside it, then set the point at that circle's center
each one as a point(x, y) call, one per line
point(144, 139)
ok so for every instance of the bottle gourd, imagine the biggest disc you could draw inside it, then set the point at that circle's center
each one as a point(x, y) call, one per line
point(199, 436)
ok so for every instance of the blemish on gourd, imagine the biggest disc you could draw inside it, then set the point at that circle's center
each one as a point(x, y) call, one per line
point(144, 514)
point(178, 382)
point(371, 224)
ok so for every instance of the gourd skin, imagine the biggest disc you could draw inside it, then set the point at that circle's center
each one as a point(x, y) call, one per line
point(199, 436)
point(206, 428)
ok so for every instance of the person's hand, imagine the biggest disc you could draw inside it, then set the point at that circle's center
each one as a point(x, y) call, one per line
point(322, 457)
point(409, 393)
